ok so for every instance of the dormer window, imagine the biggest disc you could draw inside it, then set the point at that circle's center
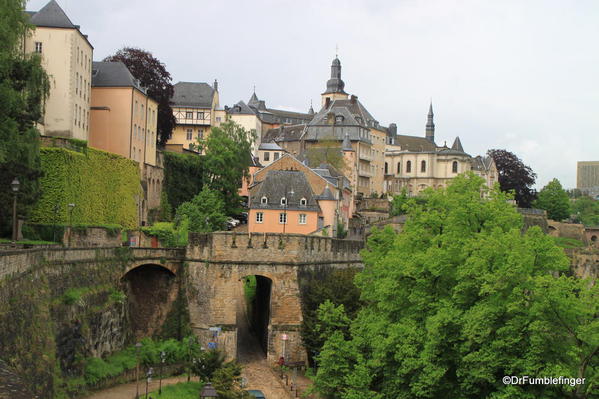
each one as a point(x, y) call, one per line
point(359, 120)
point(303, 202)
point(264, 200)
point(339, 119)
point(283, 201)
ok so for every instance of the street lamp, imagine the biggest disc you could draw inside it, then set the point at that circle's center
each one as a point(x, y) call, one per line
point(71, 207)
point(208, 392)
point(15, 189)
point(148, 379)
point(137, 349)
point(162, 358)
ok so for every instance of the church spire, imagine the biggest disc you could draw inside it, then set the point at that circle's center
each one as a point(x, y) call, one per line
point(430, 125)
point(335, 84)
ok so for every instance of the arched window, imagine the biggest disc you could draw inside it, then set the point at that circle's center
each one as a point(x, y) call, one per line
point(264, 200)
point(303, 202)
point(283, 201)
point(409, 167)
point(423, 166)
point(386, 168)
point(454, 167)
point(398, 167)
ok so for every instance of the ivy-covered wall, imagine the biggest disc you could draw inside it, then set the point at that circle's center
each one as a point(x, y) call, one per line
point(104, 188)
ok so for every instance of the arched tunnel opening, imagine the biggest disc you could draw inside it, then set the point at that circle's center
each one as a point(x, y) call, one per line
point(257, 293)
point(152, 290)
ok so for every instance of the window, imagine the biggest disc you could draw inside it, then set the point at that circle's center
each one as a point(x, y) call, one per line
point(386, 168)
point(38, 47)
point(134, 153)
point(398, 167)
point(264, 200)
point(189, 115)
point(200, 115)
point(423, 166)
point(200, 133)
point(259, 217)
point(282, 218)
point(339, 119)
point(267, 156)
point(283, 201)
point(276, 156)
point(303, 202)
point(81, 85)
point(189, 134)
point(218, 118)
point(454, 167)
point(302, 218)
point(76, 82)
point(409, 167)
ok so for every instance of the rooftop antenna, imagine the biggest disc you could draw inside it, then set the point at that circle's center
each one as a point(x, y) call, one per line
point(254, 89)
point(336, 50)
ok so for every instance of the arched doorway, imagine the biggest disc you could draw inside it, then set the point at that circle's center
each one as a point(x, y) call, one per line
point(254, 319)
point(151, 291)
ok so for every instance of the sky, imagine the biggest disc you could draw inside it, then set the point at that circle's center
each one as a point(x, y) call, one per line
point(520, 75)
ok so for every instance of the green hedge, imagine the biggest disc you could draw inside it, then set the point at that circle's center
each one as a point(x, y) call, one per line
point(103, 186)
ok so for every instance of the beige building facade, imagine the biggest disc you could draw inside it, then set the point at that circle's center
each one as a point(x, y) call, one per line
point(67, 58)
point(123, 117)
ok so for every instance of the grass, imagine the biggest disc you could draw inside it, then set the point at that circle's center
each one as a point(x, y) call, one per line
point(28, 242)
point(249, 288)
point(569, 242)
point(182, 390)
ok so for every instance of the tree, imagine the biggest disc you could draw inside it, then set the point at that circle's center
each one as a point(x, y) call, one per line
point(228, 156)
point(152, 75)
point(460, 299)
point(398, 203)
point(205, 212)
point(327, 151)
point(23, 88)
point(554, 199)
point(514, 176)
point(586, 211)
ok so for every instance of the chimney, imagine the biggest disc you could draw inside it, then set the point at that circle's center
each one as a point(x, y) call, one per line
point(215, 86)
point(331, 118)
point(353, 99)
point(327, 102)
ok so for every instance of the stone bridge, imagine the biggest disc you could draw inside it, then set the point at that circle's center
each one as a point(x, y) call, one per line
point(213, 267)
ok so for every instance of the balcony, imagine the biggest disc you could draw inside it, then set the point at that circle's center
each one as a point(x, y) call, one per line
point(365, 156)
point(365, 173)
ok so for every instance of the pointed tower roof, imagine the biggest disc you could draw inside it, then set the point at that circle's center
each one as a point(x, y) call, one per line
point(346, 146)
point(326, 195)
point(311, 110)
point(52, 16)
point(335, 84)
point(457, 145)
point(430, 125)
point(254, 101)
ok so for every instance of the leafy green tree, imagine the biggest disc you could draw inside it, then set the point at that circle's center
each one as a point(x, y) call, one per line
point(182, 177)
point(586, 211)
point(227, 380)
point(152, 74)
point(398, 203)
point(460, 299)
point(23, 88)
point(227, 157)
point(205, 212)
point(554, 199)
point(327, 151)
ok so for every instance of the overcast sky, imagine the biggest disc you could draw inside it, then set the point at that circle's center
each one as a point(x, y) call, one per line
point(522, 75)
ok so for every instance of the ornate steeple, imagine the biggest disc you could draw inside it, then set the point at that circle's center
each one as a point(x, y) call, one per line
point(430, 125)
point(335, 84)
point(254, 102)
point(311, 110)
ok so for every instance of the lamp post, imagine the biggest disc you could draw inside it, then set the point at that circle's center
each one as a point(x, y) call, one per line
point(208, 392)
point(162, 358)
point(15, 189)
point(71, 207)
point(137, 348)
point(148, 379)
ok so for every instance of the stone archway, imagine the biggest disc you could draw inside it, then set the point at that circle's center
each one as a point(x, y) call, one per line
point(151, 291)
point(254, 315)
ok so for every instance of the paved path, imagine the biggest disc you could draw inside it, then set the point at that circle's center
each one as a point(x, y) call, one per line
point(127, 391)
point(255, 368)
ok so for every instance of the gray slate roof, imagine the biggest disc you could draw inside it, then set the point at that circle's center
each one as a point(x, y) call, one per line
point(192, 94)
point(482, 163)
point(415, 143)
point(356, 122)
point(113, 74)
point(52, 16)
point(270, 147)
point(279, 184)
point(241, 108)
point(284, 133)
